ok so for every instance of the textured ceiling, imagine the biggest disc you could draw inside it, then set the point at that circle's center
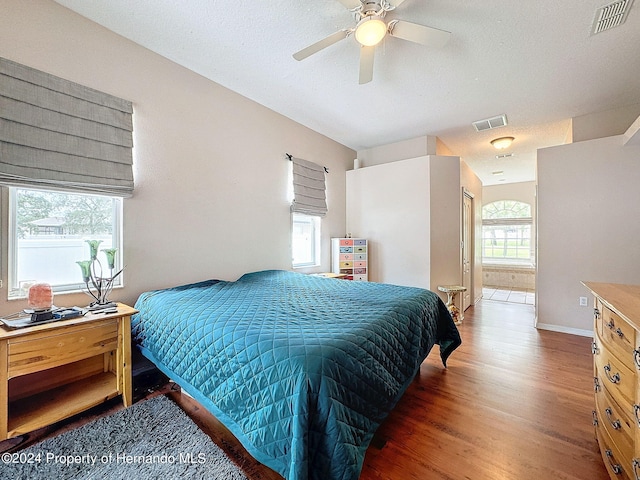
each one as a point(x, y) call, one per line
point(536, 62)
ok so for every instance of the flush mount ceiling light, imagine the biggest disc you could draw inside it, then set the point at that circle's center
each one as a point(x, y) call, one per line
point(502, 142)
point(370, 31)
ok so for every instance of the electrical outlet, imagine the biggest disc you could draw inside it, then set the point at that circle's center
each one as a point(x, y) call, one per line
point(583, 301)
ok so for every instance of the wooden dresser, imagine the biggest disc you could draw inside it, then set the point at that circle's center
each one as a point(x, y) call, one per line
point(616, 354)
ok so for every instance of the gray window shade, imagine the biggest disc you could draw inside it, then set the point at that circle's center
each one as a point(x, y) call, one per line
point(56, 133)
point(309, 195)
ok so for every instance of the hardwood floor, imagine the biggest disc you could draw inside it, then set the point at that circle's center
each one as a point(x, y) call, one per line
point(514, 403)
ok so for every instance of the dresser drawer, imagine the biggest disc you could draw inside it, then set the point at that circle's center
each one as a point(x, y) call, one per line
point(617, 466)
point(360, 263)
point(617, 421)
point(360, 256)
point(345, 242)
point(360, 249)
point(616, 334)
point(38, 353)
point(346, 256)
point(346, 249)
point(346, 264)
point(619, 379)
point(360, 242)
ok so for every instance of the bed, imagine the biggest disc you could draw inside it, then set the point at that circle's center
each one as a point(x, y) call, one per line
point(302, 369)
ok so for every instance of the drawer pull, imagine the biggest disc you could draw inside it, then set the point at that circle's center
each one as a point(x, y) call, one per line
point(614, 423)
point(619, 332)
point(615, 378)
point(616, 467)
point(636, 357)
point(594, 347)
point(596, 313)
point(596, 384)
point(635, 464)
point(610, 324)
point(595, 418)
point(636, 410)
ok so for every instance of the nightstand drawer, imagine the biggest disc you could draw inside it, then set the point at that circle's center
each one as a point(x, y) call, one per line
point(37, 353)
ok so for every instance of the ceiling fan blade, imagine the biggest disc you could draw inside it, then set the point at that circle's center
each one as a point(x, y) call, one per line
point(429, 36)
point(324, 43)
point(366, 64)
point(350, 4)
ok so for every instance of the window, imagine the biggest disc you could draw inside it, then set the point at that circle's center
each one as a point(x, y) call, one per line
point(305, 240)
point(506, 232)
point(47, 236)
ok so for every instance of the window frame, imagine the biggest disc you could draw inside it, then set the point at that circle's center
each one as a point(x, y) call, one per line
point(14, 292)
point(316, 223)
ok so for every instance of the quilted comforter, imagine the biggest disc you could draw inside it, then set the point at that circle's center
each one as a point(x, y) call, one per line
point(301, 369)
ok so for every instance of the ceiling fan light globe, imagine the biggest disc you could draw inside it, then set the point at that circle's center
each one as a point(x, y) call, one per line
point(370, 31)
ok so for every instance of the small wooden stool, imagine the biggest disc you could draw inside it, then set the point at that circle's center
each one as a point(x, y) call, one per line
point(452, 291)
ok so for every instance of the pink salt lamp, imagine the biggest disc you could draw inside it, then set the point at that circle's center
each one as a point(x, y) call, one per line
point(40, 296)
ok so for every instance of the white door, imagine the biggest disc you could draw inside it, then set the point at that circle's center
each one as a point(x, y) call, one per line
point(467, 248)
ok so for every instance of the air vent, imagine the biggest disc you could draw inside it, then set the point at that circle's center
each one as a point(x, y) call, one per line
point(489, 123)
point(610, 16)
point(505, 155)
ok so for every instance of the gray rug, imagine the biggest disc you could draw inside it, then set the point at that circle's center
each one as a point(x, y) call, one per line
point(153, 439)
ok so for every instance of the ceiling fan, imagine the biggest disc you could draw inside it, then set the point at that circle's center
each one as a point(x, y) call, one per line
point(371, 29)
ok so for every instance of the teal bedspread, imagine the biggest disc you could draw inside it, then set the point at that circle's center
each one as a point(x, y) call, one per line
point(301, 369)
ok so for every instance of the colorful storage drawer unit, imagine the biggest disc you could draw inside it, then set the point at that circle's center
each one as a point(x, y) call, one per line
point(349, 256)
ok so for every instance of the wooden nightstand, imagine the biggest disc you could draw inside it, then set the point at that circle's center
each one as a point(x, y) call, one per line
point(53, 371)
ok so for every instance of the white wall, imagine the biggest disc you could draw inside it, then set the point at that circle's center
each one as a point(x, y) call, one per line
point(209, 166)
point(390, 205)
point(611, 122)
point(410, 210)
point(588, 226)
point(403, 150)
point(446, 221)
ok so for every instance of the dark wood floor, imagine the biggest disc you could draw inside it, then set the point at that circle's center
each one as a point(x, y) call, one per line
point(514, 403)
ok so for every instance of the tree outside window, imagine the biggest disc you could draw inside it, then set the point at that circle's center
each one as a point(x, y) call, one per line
point(48, 234)
point(506, 232)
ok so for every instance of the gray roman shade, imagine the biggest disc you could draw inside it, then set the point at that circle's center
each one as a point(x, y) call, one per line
point(309, 195)
point(57, 134)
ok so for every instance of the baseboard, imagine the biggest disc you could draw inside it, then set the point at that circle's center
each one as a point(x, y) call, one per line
point(561, 329)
